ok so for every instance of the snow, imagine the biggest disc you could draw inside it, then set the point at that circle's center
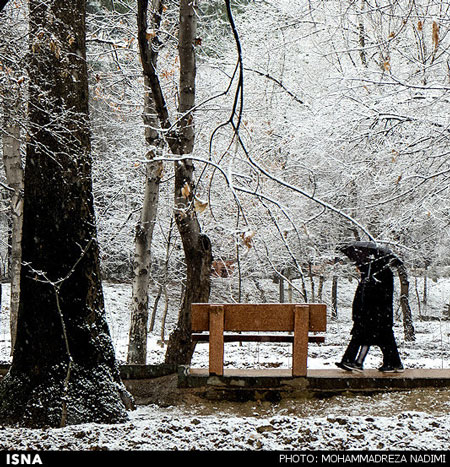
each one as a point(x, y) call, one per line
point(405, 420)
point(272, 428)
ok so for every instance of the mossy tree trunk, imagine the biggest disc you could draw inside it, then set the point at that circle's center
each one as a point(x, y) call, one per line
point(64, 369)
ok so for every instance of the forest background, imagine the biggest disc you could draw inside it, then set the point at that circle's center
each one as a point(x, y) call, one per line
point(343, 115)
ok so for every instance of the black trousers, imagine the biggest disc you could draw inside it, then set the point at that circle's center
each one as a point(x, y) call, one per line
point(390, 351)
point(388, 347)
point(352, 350)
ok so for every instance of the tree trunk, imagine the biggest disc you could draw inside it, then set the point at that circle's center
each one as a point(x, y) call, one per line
point(151, 326)
point(320, 288)
point(425, 284)
point(261, 290)
point(288, 276)
point(198, 258)
point(311, 280)
point(404, 301)
point(180, 138)
point(13, 110)
point(64, 369)
point(281, 287)
point(197, 246)
point(334, 301)
point(290, 292)
point(362, 35)
point(14, 176)
point(163, 286)
point(164, 315)
point(137, 347)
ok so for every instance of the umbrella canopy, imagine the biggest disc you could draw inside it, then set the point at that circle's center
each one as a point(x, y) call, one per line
point(363, 253)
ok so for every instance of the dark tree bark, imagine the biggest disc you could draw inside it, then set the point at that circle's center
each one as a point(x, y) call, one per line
point(197, 246)
point(362, 36)
point(334, 301)
point(64, 369)
point(408, 326)
point(334, 291)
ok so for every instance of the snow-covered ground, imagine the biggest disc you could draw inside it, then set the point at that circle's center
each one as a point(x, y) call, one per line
point(407, 420)
point(359, 422)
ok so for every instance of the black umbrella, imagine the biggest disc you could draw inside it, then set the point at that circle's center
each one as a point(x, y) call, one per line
point(363, 253)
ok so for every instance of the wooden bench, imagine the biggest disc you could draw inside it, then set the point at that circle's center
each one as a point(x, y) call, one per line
point(210, 321)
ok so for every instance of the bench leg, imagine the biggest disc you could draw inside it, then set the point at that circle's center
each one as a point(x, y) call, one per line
point(300, 348)
point(216, 349)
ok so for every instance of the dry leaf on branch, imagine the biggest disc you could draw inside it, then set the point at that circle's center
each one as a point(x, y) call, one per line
point(200, 205)
point(186, 190)
point(247, 238)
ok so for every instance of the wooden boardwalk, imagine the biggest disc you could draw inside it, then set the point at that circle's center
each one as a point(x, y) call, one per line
point(317, 382)
point(409, 373)
point(272, 384)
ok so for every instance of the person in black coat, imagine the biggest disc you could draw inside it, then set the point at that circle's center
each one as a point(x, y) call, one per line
point(373, 319)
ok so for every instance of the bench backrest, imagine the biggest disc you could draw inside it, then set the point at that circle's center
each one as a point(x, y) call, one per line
point(258, 317)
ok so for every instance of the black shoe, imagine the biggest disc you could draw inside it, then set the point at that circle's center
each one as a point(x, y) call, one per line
point(391, 369)
point(349, 366)
point(355, 366)
point(343, 366)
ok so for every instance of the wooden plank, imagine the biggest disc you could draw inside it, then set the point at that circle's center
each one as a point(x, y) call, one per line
point(317, 317)
point(258, 317)
point(300, 347)
point(247, 317)
point(199, 317)
point(216, 347)
point(266, 315)
point(256, 338)
point(263, 318)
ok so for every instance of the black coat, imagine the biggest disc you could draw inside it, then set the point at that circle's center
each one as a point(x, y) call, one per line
point(373, 306)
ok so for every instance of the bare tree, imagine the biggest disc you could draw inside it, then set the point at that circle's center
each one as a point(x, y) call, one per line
point(180, 136)
point(196, 245)
point(408, 327)
point(12, 160)
point(12, 90)
point(64, 369)
point(149, 48)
